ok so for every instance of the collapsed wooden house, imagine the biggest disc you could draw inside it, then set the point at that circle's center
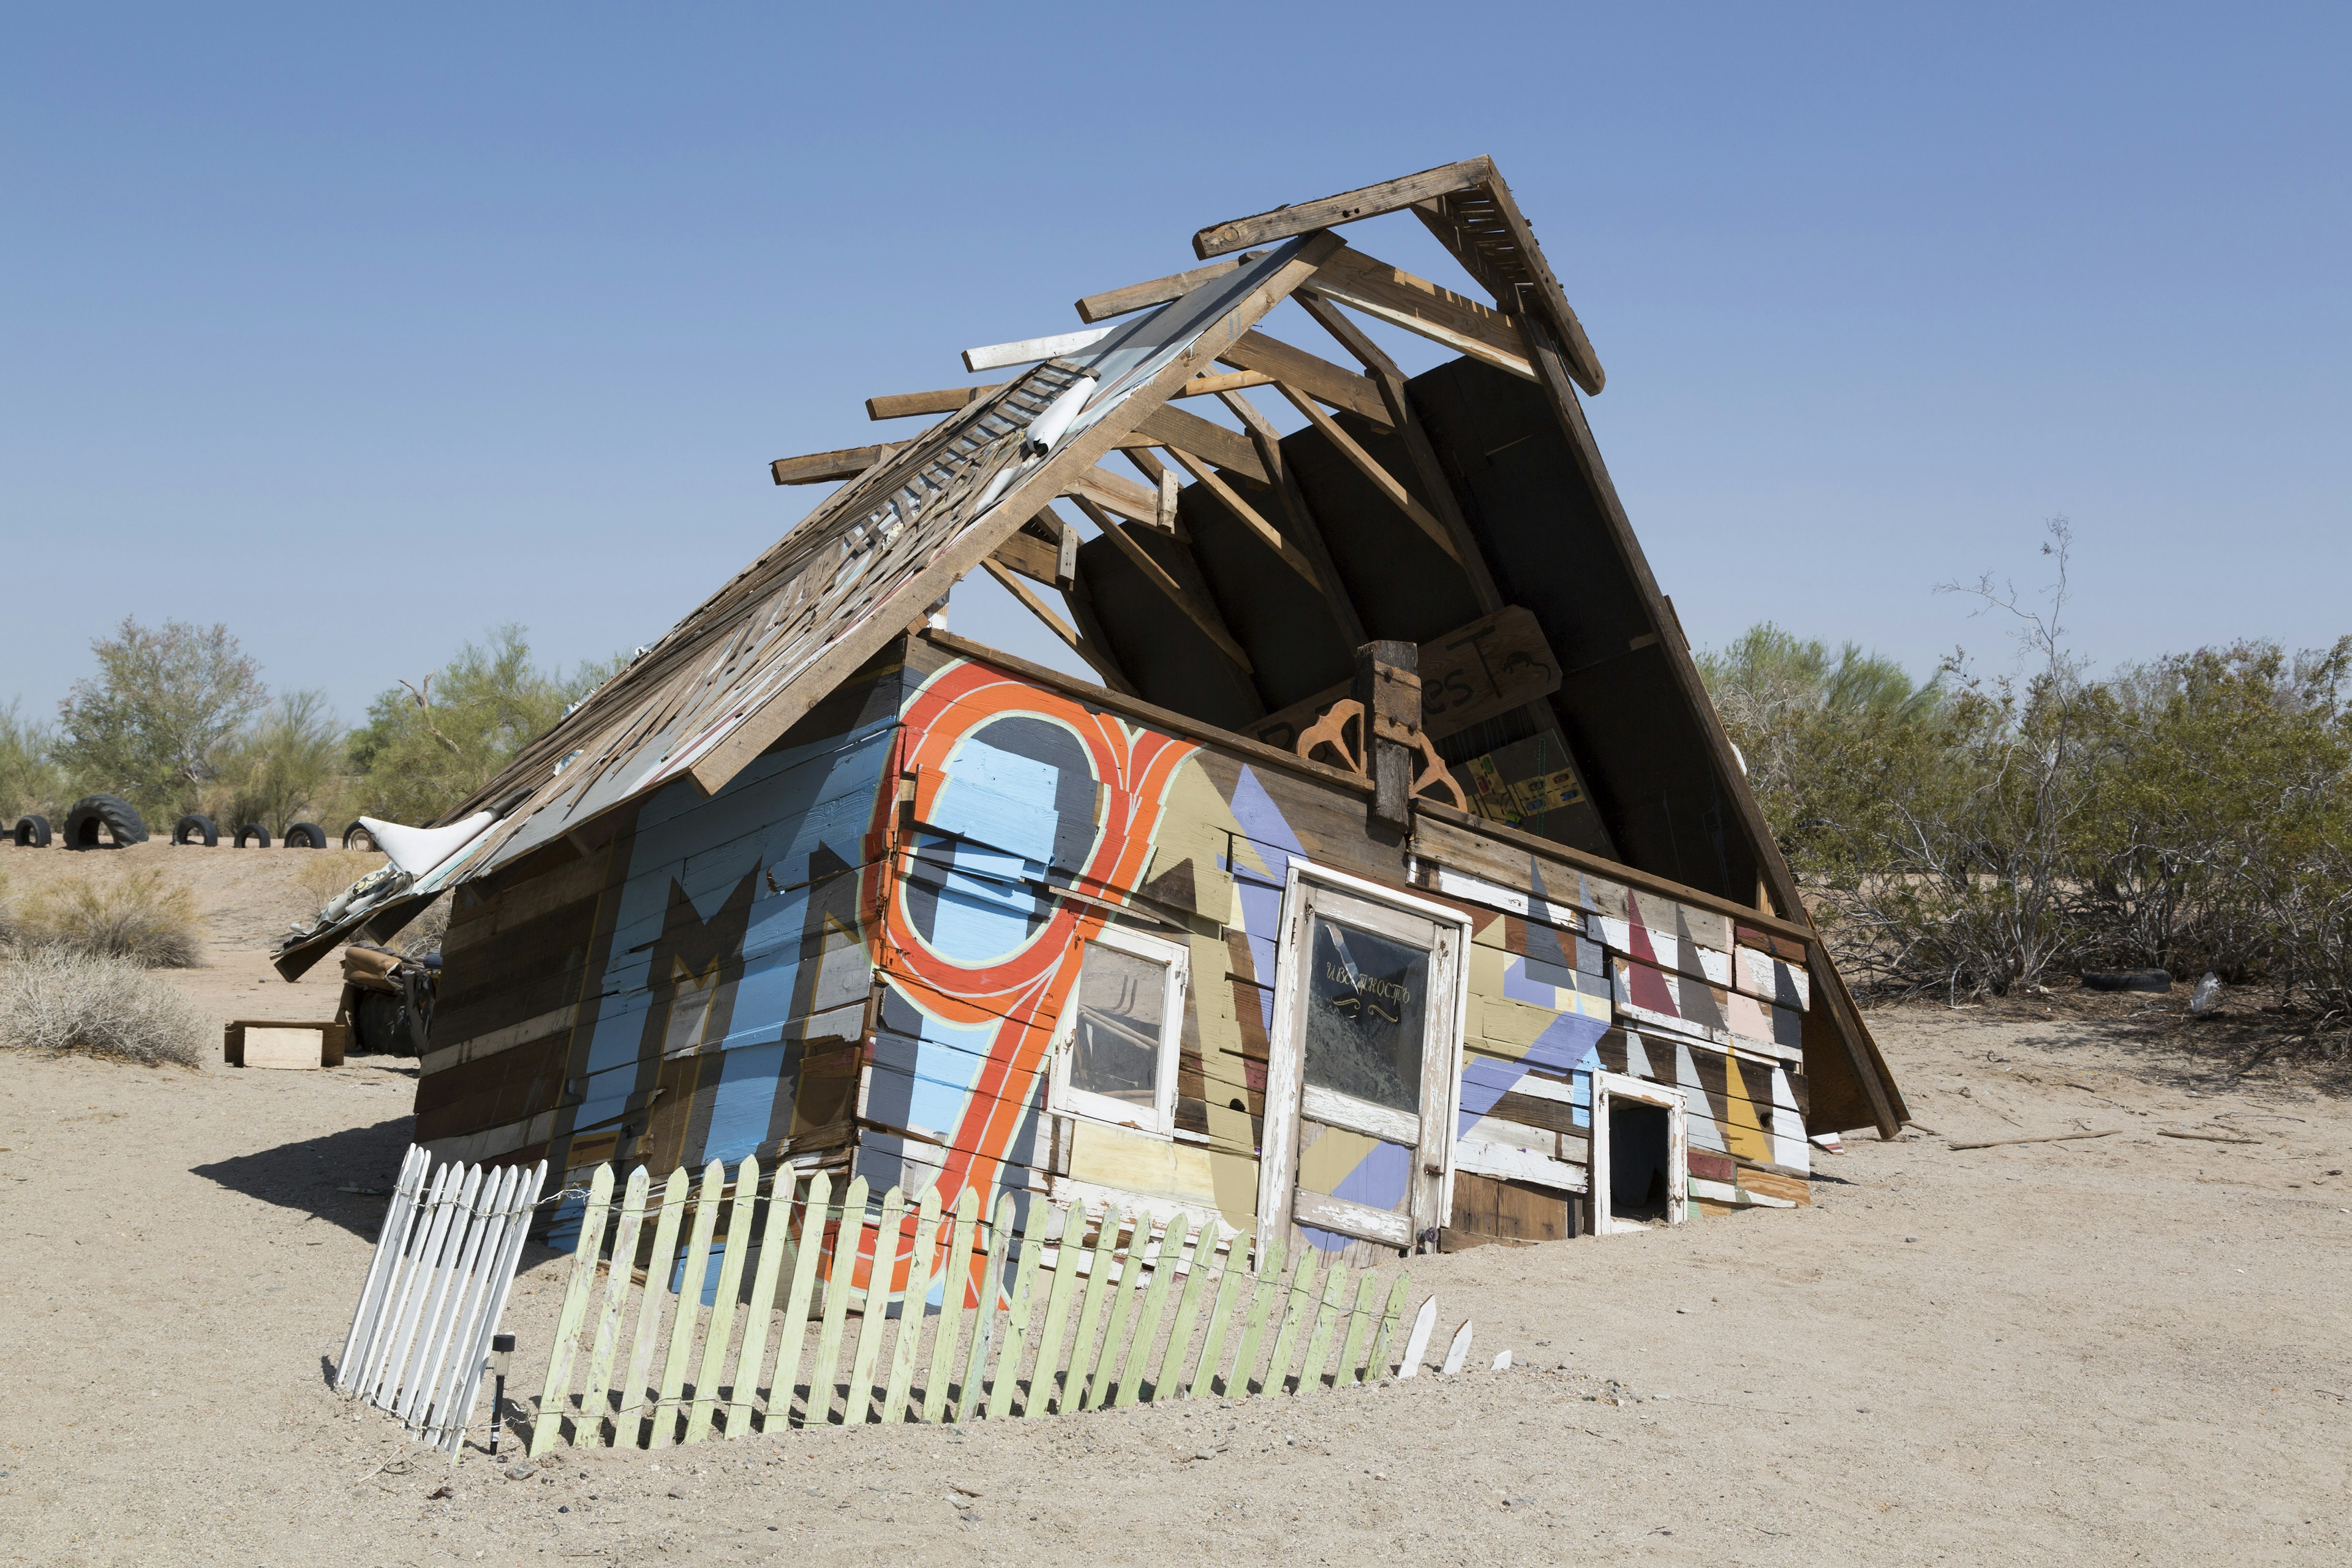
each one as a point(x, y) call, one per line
point(1393, 881)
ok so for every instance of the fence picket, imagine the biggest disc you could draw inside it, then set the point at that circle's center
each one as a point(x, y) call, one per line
point(953, 1276)
point(1155, 1297)
point(663, 1428)
point(448, 1234)
point(1016, 1320)
point(1123, 1294)
point(1416, 1346)
point(1327, 1319)
point(381, 1267)
point(631, 1416)
point(1101, 1265)
point(721, 1327)
point(983, 1328)
point(1297, 1307)
point(432, 1354)
point(912, 1307)
point(593, 1398)
point(1213, 1341)
point(1042, 1383)
point(774, 1232)
point(1360, 1322)
point(1169, 1384)
point(1238, 1382)
point(424, 1245)
point(792, 1344)
point(452, 1415)
point(1376, 1359)
point(874, 1309)
point(848, 1240)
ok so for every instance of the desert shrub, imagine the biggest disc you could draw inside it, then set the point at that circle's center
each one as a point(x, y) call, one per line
point(58, 1001)
point(29, 779)
point(140, 916)
point(280, 769)
point(150, 726)
point(426, 747)
point(1979, 835)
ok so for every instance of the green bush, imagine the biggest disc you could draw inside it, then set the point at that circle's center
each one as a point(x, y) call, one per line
point(151, 724)
point(426, 747)
point(29, 779)
point(1975, 837)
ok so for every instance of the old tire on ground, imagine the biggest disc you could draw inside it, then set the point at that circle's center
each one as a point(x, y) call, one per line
point(357, 836)
point(2155, 980)
point(31, 833)
point(103, 821)
point(380, 1020)
point(306, 835)
point(196, 828)
point(255, 833)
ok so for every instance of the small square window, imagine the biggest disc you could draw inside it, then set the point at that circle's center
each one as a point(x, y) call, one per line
point(1115, 1051)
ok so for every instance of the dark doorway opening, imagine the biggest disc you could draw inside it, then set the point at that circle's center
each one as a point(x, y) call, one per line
point(1640, 1161)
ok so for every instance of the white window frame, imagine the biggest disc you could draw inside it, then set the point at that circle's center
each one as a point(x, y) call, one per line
point(1064, 1100)
point(1609, 1086)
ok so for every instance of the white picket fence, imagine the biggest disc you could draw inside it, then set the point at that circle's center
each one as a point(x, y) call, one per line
point(433, 1295)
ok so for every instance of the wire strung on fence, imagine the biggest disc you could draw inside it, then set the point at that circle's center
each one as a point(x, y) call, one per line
point(956, 1316)
point(444, 1263)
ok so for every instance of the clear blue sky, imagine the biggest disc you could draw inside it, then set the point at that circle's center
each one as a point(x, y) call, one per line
point(363, 331)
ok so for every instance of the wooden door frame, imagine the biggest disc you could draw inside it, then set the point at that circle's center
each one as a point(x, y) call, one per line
point(1287, 1057)
point(1609, 1086)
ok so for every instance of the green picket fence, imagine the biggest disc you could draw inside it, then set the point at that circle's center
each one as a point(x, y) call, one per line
point(1071, 1311)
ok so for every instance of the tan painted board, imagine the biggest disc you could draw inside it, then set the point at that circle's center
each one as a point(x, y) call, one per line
point(284, 1046)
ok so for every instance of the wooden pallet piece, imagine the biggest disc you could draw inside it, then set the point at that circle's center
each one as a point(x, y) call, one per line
point(848, 1239)
point(1155, 1299)
point(1360, 1324)
point(1221, 1315)
point(954, 1278)
point(1239, 1381)
point(591, 1425)
point(1043, 1380)
point(557, 1389)
point(721, 1327)
point(1168, 1383)
point(1102, 1264)
point(791, 1334)
point(912, 1307)
point(630, 1418)
point(1297, 1306)
point(874, 1309)
point(663, 1428)
point(1016, 1317)
point(1376, 1361)
point(775, 1240)
point(1124, 1291)
point(1327, 1319)
point(983, 1328)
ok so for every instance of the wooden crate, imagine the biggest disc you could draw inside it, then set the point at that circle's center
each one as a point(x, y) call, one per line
point(280, 1043)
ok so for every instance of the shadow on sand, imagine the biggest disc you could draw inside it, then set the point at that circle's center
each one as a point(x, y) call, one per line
point(308, 1175)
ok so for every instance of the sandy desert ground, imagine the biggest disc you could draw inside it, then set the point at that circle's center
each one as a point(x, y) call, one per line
point(2132, 1348)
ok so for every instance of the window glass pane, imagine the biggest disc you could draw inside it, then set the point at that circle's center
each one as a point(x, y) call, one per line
point(1364, 1000)
point(1115, 1048)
